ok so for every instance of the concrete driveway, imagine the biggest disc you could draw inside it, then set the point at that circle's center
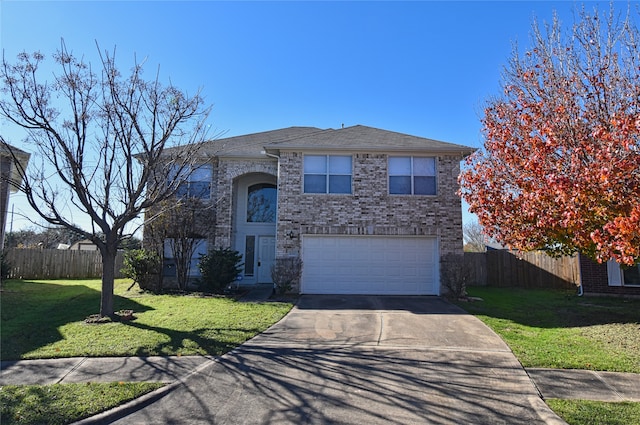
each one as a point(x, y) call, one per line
point(360, 360)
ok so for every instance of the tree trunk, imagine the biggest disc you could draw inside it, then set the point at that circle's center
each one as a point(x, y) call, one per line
point(108, 276)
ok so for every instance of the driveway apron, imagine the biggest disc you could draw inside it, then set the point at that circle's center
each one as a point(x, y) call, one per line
point(360, 360)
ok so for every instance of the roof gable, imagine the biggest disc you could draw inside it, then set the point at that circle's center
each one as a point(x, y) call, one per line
point(363, 138)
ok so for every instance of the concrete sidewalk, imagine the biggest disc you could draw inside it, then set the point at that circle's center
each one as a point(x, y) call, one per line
point(586, 384)
point(552, 383)
point(100, 369)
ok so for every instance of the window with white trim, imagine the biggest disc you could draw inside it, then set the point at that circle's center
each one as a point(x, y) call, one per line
point(327, 174)
point(409, 175)
point(249, 255)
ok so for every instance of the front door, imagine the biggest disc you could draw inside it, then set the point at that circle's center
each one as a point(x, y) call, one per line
point(266, 257)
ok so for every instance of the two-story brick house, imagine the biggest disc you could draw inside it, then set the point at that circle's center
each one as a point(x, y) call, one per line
point(368, 211)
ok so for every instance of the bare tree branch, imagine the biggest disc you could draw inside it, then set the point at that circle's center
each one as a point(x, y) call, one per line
point(106, 142)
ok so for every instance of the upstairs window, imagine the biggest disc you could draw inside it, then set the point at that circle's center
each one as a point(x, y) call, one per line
point(327, 174)
point(410, 175)
point(194, 184)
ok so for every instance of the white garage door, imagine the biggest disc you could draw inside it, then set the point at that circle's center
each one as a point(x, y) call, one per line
point(381, 265)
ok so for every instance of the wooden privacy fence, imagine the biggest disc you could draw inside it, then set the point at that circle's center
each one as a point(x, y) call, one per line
point(491, 268)
point(522, 269)
point(56, 264)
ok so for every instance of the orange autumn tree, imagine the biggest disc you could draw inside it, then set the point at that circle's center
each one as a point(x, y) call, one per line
point(560, 168)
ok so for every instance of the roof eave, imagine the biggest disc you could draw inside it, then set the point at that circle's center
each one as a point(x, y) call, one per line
point(245, 156)
point(463, 150)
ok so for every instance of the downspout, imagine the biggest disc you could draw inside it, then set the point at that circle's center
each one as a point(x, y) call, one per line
point(580, 288)
point(277, 157)
point(272, 155)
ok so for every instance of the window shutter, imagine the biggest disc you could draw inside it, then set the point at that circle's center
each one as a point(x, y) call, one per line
point(614, 273)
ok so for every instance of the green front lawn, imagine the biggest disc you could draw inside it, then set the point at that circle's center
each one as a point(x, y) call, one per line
point(64, 403)
point(557, 329)
point(582, 412)
point(46, 319)
point(43, 319)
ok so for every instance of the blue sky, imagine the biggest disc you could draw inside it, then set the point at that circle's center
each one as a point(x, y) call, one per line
point(424, 68)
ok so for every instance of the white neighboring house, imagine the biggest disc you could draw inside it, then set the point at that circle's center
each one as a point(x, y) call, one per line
point(9, 172)
point(83, 245)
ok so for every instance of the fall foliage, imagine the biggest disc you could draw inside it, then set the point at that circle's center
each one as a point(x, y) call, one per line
point(560, 168)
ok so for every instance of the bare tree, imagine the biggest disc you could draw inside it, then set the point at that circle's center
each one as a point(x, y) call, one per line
point(474, 238)
point(183, 225)
point(103, 140)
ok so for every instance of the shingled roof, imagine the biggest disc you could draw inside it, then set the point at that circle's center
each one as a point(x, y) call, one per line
point(356, 138)
point(254, 144)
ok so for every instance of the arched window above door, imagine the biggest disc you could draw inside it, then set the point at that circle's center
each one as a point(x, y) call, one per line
point(262, 200)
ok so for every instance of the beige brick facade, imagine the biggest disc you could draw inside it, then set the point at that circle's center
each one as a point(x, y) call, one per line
point(370, 209)
point(225, 175)
point(277, 157)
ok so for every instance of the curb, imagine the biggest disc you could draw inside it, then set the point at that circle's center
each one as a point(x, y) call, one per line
point(126, 409)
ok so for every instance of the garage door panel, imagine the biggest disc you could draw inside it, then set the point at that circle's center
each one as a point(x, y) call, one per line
point(376, 256)
point(360, 255)
point(370, 265)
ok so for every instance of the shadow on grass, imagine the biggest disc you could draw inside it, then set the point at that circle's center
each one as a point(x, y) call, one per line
point(546, 308)
point(210, 341)
point(32, 313)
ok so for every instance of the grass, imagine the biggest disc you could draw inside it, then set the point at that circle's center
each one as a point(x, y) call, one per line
point(42, 319)
point(582, 412)
point(64, 403)
point(557, 329)
point(45, 319)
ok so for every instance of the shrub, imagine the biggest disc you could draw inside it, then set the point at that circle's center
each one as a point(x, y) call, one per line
point(219, 268)
point(143, 266)
point(285, 273)
point(455, 274)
